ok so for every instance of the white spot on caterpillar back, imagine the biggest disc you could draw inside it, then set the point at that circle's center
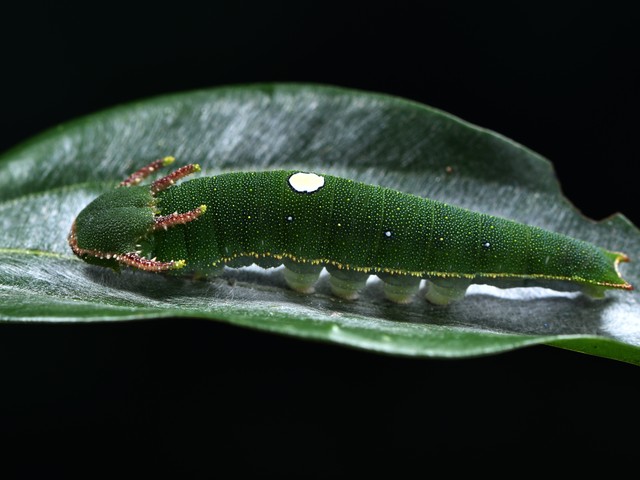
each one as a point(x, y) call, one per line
point(306, 182)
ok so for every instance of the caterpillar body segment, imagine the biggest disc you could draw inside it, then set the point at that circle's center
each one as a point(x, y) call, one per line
point(308, 221)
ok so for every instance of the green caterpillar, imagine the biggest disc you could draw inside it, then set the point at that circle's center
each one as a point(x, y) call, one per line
point(309, 221)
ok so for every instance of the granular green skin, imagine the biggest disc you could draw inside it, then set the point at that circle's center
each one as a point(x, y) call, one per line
point(114, 223)
point(365, 228)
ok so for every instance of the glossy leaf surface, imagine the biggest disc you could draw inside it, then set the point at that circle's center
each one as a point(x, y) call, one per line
point(377, 139)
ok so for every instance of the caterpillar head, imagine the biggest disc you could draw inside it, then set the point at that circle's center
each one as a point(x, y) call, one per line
point(109, 231)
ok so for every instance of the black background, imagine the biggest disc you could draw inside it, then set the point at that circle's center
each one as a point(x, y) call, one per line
point(191, 398)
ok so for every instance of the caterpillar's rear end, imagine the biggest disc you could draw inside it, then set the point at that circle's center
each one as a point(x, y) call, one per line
point(511, 251)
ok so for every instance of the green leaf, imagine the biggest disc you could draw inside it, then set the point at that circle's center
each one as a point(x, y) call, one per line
point(45, 182)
